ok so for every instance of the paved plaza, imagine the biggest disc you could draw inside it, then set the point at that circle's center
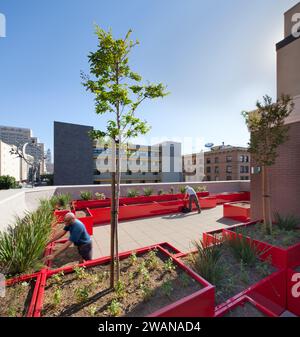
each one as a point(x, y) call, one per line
point(178, 229)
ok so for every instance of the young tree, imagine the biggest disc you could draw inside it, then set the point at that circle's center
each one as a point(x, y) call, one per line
point(268, 131)
point(119, 92)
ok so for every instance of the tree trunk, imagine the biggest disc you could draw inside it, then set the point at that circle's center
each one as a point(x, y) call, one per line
point(118, 180)
point(263, 192)
point(112, 230)
point(268, 203)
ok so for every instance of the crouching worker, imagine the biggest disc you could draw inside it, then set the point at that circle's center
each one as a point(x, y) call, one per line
point(78, 236)
point(192, 196)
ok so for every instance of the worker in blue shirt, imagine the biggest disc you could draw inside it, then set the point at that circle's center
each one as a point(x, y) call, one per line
point(78, 236)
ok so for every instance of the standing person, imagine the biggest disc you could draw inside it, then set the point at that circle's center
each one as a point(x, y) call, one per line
point(192, 196)
point(78, 236)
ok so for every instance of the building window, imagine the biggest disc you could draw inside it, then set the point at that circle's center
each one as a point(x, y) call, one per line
point(242, 159)
point(216, 160)
point(242, 169)
point(228, 169)
point(247, 159)
point(208, 169)
point(246, 169)
point(228, 178)
point(208, 178)
point(229, 159)
point(217, 169)
point(208, 161)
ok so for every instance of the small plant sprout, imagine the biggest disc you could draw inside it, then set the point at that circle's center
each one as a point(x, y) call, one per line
point(86, 195)
point(146, 291)
point(57, 278)
point(80, 272)
point(169, 265)
point(152, 262)
point(148, 191)
point(82, 293)
point(92, 310)
point(57, 297)
point(114, 308)
point(132, 193)
point(167, 288)
point(133, 258)
point(185, 280)
point(12, 312)
point(120, 289)
point(99, 196)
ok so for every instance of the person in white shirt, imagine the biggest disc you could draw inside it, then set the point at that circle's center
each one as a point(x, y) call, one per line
point(192, 196)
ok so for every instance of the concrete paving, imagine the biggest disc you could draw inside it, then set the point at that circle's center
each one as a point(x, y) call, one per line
point(178, 229)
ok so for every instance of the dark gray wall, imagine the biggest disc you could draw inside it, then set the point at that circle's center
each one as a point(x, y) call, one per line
point(73, 154)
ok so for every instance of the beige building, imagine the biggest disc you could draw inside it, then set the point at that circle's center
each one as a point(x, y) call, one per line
point(226, 162)
point(11, 165)
point(285, 174)
point(193, 167)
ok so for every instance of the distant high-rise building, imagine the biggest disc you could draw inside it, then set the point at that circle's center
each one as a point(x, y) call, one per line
point(48, 162)
point(16, 136)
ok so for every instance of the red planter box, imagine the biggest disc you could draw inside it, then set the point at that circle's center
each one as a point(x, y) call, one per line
point(293, 291)
point(60, 214)
point(26, 278)
point(281, 257)
point(240, 302)
point(232, 197)
point(237, 212)
point(198, 304)
point(82, 204)
point(209, 238)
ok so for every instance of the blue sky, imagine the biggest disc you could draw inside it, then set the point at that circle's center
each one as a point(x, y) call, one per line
point(216, 57)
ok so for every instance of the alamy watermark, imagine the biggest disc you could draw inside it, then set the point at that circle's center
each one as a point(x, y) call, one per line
point(296, 27)
point(2, 25)
point(2, 285)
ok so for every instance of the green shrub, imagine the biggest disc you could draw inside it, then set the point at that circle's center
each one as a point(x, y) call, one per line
point(7, 182)
point(200, 189)
point(182, 189)
point(132, 193)
point(22, 245)
point(207, 262)
point(148, 191)
point(86, 195)
point(243, 249)
point(99, 196)
point(287, 223)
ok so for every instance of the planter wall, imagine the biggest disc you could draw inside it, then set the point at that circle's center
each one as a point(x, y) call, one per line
point(240, 302)
point(232, 197)
point(82, 204)
point(236, 212)
point(280, 257)
point(26, 278)
point(201, 303)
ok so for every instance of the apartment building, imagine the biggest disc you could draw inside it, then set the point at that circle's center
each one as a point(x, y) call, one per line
point(93, 159)
point(193, 167)
point(226, 162)
point(16, 136)
point(285, 174)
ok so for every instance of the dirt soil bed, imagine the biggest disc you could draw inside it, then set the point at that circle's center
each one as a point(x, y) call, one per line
point(17, 299)
point(147, 283)
point(234, 276)
point(280, 238)
point(245, 310)
point(241, 204)
point(81, 214)
point(67, 258)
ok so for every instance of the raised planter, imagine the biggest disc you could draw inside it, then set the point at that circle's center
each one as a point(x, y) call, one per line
point(197, 304)
point(245, 305)
point(32, 295)
point(232, 197)
point(239, 211)
point(60, 214)
point(82, 204)
point(280, 257)
point(270, 291)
